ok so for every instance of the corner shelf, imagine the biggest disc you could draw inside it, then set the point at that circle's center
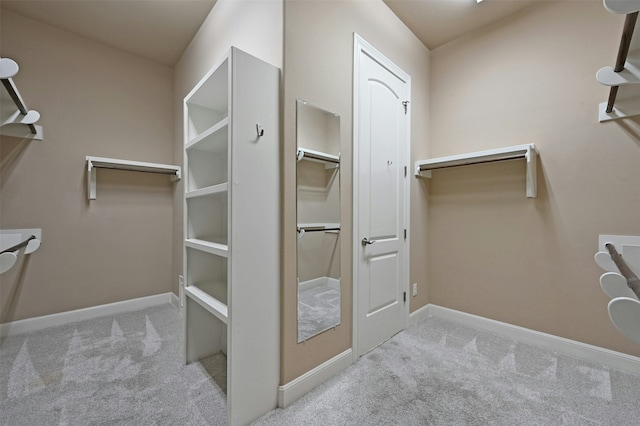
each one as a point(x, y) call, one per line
point(22, 115)
point(624, 77)
point(528, 152)
point(94, 163)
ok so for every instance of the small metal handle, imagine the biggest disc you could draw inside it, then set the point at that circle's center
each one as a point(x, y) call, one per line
point(366, 242)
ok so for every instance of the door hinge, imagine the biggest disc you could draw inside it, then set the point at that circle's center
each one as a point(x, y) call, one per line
point(405, 234)
point(405, 171)
point(405, 296)
point(405, 104)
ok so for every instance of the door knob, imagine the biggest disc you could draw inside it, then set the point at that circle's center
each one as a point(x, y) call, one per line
point(366, 242)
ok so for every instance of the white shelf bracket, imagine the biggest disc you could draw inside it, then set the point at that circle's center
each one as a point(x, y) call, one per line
point(531, 158)
point(136, 166)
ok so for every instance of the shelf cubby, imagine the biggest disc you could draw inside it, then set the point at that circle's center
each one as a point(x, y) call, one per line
point(207, 217)
point(209, 103)
point(207, 157)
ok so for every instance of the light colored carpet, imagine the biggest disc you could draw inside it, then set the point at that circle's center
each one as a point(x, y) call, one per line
point(127, 370)
point(118, 370)
point(442, 373)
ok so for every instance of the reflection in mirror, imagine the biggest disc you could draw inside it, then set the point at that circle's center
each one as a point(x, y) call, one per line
point(318, 215)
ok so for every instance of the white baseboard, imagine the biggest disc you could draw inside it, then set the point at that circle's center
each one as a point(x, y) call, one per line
point(175, 301)
point(46, 321)
point(296, 388)
point(316, 282)
point(419, 314)
point(557, 344)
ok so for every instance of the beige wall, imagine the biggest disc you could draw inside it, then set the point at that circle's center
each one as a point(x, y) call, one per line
point(254, 26)
point(492, 252)
point(318, 68)
point(93, 100)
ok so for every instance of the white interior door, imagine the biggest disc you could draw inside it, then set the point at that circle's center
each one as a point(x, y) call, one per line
point(381, 156)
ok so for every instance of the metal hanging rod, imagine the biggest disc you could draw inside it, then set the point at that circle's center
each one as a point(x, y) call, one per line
point(18, 246)
point(623, 50)
point(632, 279)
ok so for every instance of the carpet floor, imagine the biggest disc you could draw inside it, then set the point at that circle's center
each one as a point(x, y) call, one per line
point(116, 370)
point(439, 372)
point(127, 370)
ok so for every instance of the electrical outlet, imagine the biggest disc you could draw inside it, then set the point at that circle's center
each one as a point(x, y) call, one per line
point(415, 289)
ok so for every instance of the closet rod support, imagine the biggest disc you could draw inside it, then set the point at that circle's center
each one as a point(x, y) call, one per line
point(632, 279)
point(623, 51)
point(19, 245)
point(8, 69)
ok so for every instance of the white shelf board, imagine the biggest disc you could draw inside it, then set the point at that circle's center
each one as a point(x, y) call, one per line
point(629, 75)
point(218, 249)
point(622, 6)
point(215, 190)
point(199, 142)
point(94, 163)
point(210, 303)
point(527, 152)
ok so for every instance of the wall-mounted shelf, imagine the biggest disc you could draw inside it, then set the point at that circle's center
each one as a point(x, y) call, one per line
point(527, 152)
point(94, 163)
point(624, 76)
point(18, 122)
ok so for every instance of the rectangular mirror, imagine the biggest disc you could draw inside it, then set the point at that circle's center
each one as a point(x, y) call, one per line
point(318, 217)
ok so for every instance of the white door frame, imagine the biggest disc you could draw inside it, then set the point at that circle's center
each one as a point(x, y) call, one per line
point(360, 45)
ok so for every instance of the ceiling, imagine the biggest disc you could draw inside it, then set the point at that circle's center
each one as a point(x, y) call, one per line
point(436, 22)
point(160, 30)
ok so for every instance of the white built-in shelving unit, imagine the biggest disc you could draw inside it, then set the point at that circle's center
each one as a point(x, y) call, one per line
point(231, 226)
